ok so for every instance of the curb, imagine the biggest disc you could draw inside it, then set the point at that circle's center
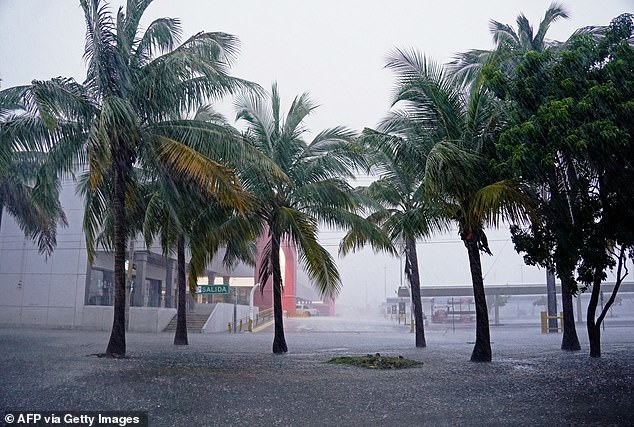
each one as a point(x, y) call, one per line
point(263, 326)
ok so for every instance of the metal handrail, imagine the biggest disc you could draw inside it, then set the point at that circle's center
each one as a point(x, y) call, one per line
point(261, 317)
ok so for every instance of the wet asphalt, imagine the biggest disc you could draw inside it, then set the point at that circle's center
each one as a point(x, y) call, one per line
point(234, 380)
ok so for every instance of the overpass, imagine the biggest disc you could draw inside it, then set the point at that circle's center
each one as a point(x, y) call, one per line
point(517, 289)
point(491, 290)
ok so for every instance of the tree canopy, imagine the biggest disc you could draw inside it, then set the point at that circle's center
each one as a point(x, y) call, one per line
point(571, 137)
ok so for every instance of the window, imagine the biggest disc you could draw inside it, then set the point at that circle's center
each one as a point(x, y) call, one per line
point(100, 288)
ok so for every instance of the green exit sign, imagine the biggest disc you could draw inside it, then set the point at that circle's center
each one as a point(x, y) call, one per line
point(212, 289)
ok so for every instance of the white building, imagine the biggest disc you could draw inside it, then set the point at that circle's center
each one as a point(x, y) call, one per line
point(64, 291)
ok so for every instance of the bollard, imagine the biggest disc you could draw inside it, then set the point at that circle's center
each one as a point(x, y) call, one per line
point(240, 326)
point(229, 327)
point(411, 328)
point(250, 325)
point(544, 322)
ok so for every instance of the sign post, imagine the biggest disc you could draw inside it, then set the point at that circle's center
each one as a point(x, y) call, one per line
point(235, 309)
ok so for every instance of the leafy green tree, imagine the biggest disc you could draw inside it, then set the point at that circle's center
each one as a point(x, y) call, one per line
point(463, 126)
point(572, 135)
point(127, 113)
point(313, 191)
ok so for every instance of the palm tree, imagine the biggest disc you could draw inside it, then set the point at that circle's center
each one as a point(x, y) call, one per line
point(463, 126)
point(127, 113)
point(510, 47)
point(182, 214)
point(462, 180)
point(313, 191)
point(400, 207)
point(28, 192)
point(510, 44)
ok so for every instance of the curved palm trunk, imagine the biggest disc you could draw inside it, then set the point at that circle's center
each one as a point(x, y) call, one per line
point(411, 270)
point(482, 349)
point(594, 327)
point(116, 344)
point(180, 337)
point(569, 340)
point(279, 342)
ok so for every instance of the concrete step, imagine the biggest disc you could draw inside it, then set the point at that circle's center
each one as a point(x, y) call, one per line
point(195, 323)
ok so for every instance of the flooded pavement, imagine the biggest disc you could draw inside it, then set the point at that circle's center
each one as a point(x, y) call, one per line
point(223, 379)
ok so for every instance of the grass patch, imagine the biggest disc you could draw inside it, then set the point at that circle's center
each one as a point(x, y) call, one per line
point(376, 361)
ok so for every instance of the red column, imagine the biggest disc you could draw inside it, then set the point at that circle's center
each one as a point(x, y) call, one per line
point(290, 278)
point(263, 297)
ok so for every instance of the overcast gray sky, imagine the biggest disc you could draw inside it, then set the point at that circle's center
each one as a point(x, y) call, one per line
point(333, 49)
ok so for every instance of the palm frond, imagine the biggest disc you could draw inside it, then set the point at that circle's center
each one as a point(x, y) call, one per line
point(319, 264)
point(106, 72)
point(160, 37)
point(363, 232)
point(503, 34)
point(525, 32)
point(555, 12)
point(96, 209)
point(213, 177)
point(450, 170)
point(300, 108)
point(502, 201)
point(216, 141)
point(466, 66)
point(430, 97)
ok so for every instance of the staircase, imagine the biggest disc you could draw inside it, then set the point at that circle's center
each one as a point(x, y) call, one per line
point(195, 322)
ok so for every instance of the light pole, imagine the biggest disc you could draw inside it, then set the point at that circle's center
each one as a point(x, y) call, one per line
point(251, 295)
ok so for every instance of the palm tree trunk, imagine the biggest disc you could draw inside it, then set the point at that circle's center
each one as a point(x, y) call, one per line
point(279, 341)
point(482, 349)
point(411, 267)
point(569, 340)
point(180, 337)
point(116, 344)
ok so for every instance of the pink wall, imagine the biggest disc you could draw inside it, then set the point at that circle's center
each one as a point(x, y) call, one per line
point(263, 297)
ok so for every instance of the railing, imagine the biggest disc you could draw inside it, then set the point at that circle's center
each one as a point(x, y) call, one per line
point(262, 316)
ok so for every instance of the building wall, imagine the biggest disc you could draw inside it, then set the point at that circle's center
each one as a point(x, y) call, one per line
point(40, 290)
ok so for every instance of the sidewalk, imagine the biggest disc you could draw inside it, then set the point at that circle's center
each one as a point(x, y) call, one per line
point(234, 380)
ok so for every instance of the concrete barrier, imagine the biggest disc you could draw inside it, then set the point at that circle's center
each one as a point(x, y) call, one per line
point(142, 319)
point(222, 315)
